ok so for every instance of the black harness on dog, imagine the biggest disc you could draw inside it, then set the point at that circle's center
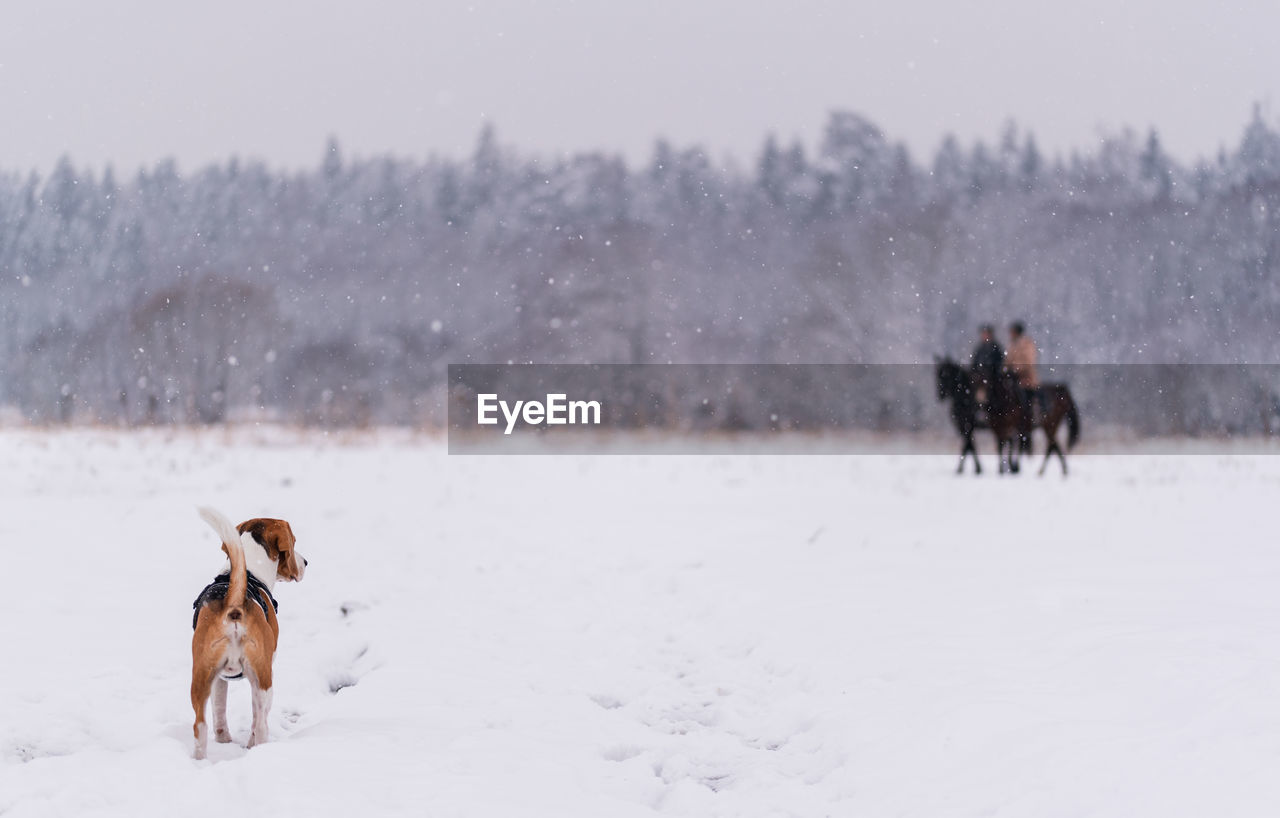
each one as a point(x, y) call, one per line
point(218, 590)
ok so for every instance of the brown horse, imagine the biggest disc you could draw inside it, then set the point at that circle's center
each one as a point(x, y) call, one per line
point(1008, 420)
point(1056, 405)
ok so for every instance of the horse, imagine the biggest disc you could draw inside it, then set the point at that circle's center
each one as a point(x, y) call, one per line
point(1057, 405)
point(1006, 416)
point(955, 383)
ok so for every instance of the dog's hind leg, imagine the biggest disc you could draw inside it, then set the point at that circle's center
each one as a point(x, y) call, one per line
point(221, 733)
point(261, 708)
point(200, 683)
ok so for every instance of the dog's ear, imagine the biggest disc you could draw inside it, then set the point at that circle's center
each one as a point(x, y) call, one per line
point(290, 564)
point(287, 566)
point(277, 537)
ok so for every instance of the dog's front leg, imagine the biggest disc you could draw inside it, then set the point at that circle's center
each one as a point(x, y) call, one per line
point(221, 733)
point(261, 707)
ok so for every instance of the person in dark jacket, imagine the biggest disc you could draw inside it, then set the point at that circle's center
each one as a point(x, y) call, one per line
point(988, 357)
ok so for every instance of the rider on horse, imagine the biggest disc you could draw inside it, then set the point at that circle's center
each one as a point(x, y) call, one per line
point(1020, 360)
point(985, 365)
point(995, 393)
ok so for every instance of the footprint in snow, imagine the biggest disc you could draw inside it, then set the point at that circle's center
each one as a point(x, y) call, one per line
point(340, 681)
point(621, 752)
point(347, 676)
point(352, 607)
point(606, 701)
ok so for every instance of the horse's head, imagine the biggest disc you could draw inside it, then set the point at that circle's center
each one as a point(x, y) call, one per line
point(952, 378)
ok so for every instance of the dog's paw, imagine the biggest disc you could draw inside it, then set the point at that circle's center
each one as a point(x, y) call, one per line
point(200, 751)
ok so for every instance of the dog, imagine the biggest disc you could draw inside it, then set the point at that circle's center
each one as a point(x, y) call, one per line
point(235, 623)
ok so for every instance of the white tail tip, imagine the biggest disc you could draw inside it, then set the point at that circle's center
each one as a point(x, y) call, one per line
point(221, 525)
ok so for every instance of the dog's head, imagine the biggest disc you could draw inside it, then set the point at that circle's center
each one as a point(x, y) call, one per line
point(277, 538)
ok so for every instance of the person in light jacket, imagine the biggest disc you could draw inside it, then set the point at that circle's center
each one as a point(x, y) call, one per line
point(1020, 361)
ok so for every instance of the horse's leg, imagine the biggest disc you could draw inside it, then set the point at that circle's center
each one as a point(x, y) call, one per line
point(977, 464)
point(966, 446)
point(1063, 458)
point(1050, 428)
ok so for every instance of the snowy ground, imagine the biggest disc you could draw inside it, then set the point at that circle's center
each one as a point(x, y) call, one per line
point(699, 636)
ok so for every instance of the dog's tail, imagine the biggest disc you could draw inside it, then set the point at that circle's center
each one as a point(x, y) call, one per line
point(235, 552)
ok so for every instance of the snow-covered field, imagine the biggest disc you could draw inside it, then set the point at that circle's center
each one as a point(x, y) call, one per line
point(614, 636)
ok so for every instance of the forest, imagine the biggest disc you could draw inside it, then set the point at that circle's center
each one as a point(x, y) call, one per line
point(339, 294)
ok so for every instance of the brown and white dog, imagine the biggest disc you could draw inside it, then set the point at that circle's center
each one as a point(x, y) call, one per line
point(236, 635)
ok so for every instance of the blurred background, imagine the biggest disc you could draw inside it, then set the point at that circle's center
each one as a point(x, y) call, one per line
point(305, 214)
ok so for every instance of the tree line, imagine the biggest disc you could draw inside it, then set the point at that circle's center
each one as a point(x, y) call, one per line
point(338, 294)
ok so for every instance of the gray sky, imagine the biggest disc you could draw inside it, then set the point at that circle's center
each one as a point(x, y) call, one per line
point(132, 81)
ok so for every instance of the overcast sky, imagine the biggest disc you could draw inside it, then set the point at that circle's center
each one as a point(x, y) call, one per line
point(132, 81)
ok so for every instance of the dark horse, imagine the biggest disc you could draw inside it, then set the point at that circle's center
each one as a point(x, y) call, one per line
point(1006, 416)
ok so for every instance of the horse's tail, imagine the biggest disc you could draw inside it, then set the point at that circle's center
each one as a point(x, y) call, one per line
point(1073, 419)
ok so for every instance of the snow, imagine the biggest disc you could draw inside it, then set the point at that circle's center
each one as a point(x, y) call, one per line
point(612, 636)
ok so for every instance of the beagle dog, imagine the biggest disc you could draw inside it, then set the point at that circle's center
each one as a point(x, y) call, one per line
point(235, 622)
